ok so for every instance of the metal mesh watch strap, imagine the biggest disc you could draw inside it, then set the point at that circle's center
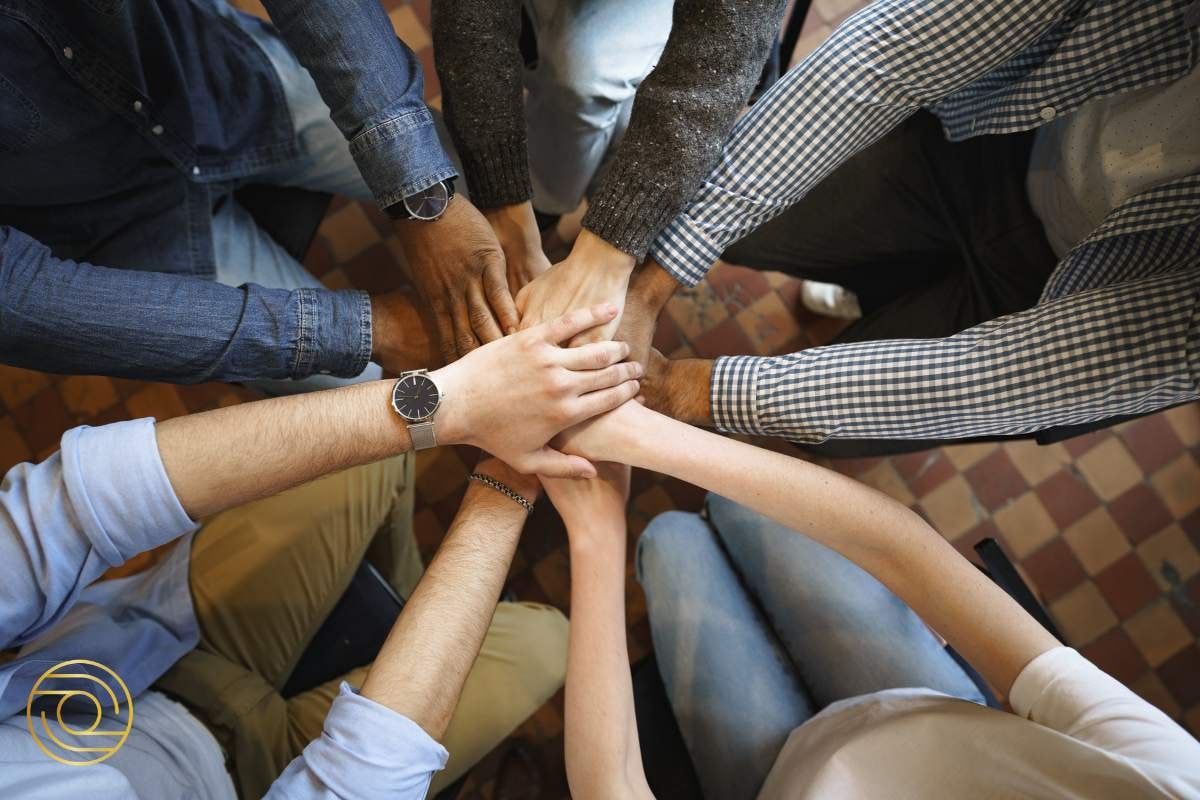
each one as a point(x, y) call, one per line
point(422, 435)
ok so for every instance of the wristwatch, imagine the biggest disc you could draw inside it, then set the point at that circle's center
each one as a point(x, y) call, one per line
point(426, 204)
point(416, 397)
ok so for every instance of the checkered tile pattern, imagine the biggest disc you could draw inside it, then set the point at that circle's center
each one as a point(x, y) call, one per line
point(1106, 527)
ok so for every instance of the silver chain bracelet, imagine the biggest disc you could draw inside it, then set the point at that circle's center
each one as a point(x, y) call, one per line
point(487, 480)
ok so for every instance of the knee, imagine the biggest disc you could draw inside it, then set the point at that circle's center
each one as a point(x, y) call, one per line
point(661, 544)
point(581, 72)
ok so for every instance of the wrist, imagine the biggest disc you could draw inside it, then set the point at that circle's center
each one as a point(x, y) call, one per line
point(587, 536)
point(653, 285)
point(451, 421)
point(601, 256)
point(688, 390)
point(528, 486)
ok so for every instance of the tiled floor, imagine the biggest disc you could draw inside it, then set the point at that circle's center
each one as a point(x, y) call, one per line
point(1106, 527)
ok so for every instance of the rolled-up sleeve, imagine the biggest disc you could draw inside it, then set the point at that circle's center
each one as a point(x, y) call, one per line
point(99, 501)
point(366, 751)
point(374, 87)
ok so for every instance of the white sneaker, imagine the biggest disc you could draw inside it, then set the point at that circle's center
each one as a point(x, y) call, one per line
point(830, 300)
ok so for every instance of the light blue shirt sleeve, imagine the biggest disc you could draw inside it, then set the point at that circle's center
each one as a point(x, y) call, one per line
point(99, 501)
point(366, 751)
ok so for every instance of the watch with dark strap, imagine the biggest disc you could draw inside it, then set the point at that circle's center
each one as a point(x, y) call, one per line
point(427, 205)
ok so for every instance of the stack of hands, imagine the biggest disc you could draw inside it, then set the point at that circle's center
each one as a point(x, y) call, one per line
point(533, 350)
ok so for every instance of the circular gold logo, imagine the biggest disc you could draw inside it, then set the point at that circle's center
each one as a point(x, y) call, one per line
point(111, 705)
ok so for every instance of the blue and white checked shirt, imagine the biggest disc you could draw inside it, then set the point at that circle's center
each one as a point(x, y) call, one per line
point(1117, 330)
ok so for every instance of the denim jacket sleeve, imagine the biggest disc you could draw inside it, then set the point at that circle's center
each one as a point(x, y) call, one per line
point(75, 317)
point(373, 85)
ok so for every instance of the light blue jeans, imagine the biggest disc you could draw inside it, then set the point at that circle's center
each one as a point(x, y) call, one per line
point(244, 252)
point(757, 628)
point(592, 56)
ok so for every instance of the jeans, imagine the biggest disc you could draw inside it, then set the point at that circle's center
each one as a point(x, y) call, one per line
point(757, 628)
point(244, 252)
point(592, 56)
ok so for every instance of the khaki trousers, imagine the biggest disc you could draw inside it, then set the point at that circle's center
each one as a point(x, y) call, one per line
point(265, 576)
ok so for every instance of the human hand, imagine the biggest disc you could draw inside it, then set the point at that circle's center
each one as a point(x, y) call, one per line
point(613, 437)
point(459, 271)
point(594, 505)
point(510, 397)
point(402, 335)
point(517, 231)
point(679, 388)
point(594, 272)
point(649, 290)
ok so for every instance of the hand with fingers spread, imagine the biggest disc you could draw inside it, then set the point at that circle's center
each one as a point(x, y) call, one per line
point(595, 272)
point(510, 397)
point(516, 229)
point(459, 271)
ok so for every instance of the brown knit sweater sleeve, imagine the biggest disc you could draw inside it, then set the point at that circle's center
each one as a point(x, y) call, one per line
point(476, 47)
point(682, 114)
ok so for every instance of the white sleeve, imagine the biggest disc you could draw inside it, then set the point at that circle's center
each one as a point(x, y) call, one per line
point(1062, 690)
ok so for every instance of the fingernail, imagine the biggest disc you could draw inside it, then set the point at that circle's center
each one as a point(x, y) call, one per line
point(609, 308)
point(638, 369)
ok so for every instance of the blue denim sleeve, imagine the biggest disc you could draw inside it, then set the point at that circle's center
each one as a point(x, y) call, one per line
point(365, 751)
point(373, 85)
point(75, 317)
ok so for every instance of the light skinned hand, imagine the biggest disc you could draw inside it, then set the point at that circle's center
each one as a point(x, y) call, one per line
point(512, 396)
point(516, 229)
point(594, 272)
point(613, 436)
point(592, 504)
point(459, 271)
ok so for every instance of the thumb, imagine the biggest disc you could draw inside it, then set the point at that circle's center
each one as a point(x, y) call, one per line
point(550, 463)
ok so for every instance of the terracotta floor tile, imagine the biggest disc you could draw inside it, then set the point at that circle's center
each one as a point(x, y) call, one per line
point(1035, 462)
point(1191, 526)
point(1152, 442)
point(666, 335)
point(1054, 570)
point(951, 508)
point(738, 287)
point(696, 310)
point(18, 386)
point(726, 338)
point(318, 260)
point(769, 324)
point(1181, 675)
point(1025, 524)
point(336, 280)
point(1186, 422)
point(348, 232)
point(433, 86)
point(965, 456)
point(1115, 653)
point(439, 472)
point(158, 400)
point(1127, 585)
point(1191, 721)
point(936, 471)
point(1078, 445)
point(1096, 540)
point(1170, 557)
point(86, 395)
point(996, 480)
point(374, 270)
point(1109, 469)
point(1140, 512)
point(1151, 689)
point(1178, 484)
point(42, 420)
point(883, 476)
point(1066, 497)
point(1158, 632)
point(1187, 605)
point(1083, 614)
point(13, 449)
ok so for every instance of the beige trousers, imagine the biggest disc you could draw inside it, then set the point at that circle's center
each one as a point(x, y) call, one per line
point(265, 576)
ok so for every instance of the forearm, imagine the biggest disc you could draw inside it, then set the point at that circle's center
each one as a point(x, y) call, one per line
point(73, 317)
point(479, 65)
point(229, 456)
point(373, 85)
point(421, 669)
point(883, 537)
point(682, 113)
point(603, 758)
point(1087, 357)
point(876, 69)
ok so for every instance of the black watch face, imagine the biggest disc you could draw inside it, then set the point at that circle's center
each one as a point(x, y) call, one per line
point(428, 204)
point(415, 397)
